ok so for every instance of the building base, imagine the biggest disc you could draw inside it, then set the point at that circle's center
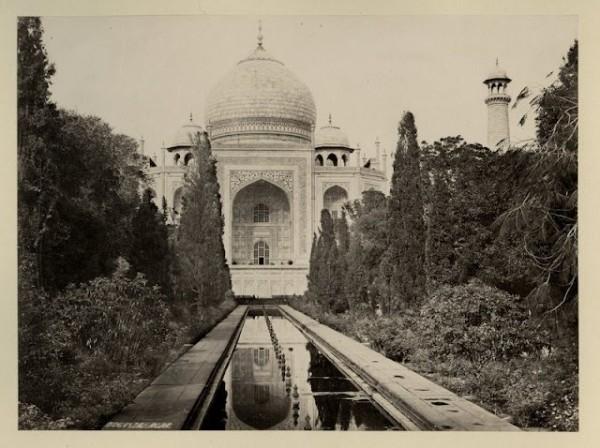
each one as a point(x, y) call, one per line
point(268, 281)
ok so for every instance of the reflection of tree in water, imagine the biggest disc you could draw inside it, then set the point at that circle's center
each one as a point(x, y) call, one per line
point(216, 417)
point(324, 377)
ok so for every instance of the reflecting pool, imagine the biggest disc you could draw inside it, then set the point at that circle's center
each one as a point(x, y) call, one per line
point(277, 380)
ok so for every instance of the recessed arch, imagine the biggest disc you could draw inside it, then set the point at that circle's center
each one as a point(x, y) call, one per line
point(334, 199)
point(188, 157)
point(344, 160)
point(319, 160)
point(332, 160)
point(177, 203)
point(176, 158)
point(261, 212)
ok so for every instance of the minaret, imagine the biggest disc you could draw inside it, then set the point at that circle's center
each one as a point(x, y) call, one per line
point(376, 164)
point(498, 132)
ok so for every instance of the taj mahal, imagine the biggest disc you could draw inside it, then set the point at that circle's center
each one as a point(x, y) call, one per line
point(277, 169)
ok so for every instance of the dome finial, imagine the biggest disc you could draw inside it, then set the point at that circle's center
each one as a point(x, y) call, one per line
point(329, 119)
point(496, 61)
point(260, 36)
point(191, 118)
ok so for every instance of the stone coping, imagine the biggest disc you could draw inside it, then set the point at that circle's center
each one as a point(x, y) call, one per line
point(171, 400)
point(428, 405)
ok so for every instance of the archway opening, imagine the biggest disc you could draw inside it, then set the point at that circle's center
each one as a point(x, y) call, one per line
point(177, 204)
point(332, 160)
point(319, 160)
point(261, 226)
point(189, 156)
point(334, 199)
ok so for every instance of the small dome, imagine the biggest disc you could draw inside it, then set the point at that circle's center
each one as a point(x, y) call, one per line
point(260, 96)
point(497, 73)
point(183, 137)
point(331, 137)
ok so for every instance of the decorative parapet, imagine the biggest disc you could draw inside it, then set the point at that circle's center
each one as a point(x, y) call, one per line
point(241, 178)
point(494, 99)
point(260, 125)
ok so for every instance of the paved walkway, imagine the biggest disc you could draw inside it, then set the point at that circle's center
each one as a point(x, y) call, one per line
point(430, 406)
point(171, 397)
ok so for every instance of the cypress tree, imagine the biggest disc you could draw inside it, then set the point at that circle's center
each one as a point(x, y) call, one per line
point(342, 234)
point(406, 229)
point(37, 121)
point(329, 274)
point(149, 253)
point(355, 286)
point(203, 269)
point(313, 269)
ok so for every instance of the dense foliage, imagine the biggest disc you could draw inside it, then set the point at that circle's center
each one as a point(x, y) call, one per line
point(327, 270)
point(97, 315)
point(149, 252)
point(468, 270)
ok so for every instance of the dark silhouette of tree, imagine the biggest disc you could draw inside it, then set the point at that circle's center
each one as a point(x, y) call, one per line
point(149, 252)
point(37, 118)
point(204, 275)
point(342, 233)
point(544, 210)
point(406, 229)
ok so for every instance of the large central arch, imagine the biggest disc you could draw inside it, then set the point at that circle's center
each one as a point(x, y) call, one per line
point(261, 219)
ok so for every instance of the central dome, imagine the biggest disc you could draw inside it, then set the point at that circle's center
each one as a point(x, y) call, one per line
point(260, 100)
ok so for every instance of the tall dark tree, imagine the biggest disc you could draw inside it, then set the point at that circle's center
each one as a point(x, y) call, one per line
point(356, 276)
point(77, 181)
point(466, 188)
point(369, 240)
point(37, 118)
point(342, 233)
point(313, 269)
point(149, 252)
point(545, 210)
point(406, 229)
point(204, 273)
point(95, 195)
point(329, 275)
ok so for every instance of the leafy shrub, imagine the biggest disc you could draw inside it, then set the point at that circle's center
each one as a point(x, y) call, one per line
point(476, 341)
point(81, 352)
point(479, 323)
point(31, 417)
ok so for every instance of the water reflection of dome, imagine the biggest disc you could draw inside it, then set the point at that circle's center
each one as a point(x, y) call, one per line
point(258, 396)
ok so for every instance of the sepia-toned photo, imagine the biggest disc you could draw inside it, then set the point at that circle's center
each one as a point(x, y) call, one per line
point(305, 223)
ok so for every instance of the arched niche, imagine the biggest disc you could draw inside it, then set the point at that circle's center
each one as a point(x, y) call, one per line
point(333, 200)
point(177, 204)
point(261, 213)
point(332, 160)
point(188, 157)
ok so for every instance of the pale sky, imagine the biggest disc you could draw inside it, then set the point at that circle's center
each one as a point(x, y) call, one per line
point(145, 74)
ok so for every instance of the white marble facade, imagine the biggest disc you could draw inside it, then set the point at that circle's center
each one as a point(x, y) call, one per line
point(275, 172)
